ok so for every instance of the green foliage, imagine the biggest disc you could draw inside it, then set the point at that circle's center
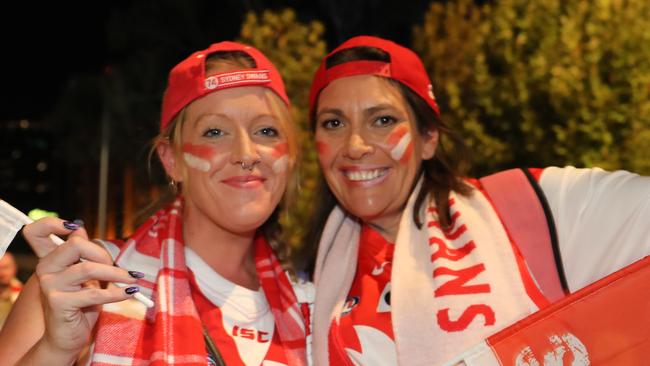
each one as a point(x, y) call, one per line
point(532, 82)
point(296, 50)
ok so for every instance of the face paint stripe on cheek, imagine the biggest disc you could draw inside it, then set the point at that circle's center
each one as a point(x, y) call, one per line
point(282, 160)
point(321, 147)
point(206, 152)
point(280, 165)
point(280, 150)
point(402, 149)
point(397, 134)
point(199, 156)
point(196, 162)
point(407, 154)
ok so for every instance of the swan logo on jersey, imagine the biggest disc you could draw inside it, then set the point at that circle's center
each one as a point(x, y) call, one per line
point(377, 270)
point(384, 300)
point(567, 350)
point(350, 304)
point(376, 348)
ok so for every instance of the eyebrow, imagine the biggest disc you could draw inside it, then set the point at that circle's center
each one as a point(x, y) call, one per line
point(378, 108)
point(208, 116)
point(368, 111)
point(266, 115)
point(334, 111)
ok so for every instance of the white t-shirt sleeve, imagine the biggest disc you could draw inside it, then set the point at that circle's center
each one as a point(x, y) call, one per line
point(602, 220)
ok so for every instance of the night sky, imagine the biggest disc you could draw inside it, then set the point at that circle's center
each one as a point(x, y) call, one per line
point(46, 44)
point(43, 45)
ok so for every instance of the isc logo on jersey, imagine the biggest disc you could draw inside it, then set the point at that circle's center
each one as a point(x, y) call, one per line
point(261, 336)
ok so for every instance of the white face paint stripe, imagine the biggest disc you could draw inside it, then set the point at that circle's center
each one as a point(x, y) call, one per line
point(398, 151)
point(195, 162)
point(280, 165)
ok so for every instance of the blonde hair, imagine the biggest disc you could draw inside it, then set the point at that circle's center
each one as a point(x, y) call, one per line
point(172, 134)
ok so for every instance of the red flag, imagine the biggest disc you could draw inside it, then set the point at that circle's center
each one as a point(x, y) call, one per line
point(605, 323)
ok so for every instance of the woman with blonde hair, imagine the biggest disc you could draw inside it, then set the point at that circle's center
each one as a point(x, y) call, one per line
point(207, 259)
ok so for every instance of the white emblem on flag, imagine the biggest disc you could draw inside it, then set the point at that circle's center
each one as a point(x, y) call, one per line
point(567, 343)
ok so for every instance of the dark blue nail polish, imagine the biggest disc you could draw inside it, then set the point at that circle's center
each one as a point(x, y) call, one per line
point(136, 274)
point(70, 225)
point(131, 290)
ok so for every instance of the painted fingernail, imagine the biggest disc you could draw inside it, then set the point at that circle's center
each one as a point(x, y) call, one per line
point(131, 290)
point(136, 274)
point(70, 225)
point(79, 222)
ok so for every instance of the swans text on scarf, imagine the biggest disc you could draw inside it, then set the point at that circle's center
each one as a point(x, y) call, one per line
point(460, 277)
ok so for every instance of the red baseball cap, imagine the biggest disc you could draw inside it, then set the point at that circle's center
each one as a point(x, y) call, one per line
point(404, 66)
point(188, 81)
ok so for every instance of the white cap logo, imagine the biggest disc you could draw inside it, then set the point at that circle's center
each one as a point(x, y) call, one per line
point(211, 83)
point(433, 97)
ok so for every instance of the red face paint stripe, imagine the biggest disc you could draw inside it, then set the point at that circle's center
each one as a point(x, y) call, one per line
point(397, 135)
point(407, 154)
point(201, 150)
point(321, 147)
point(280, 150)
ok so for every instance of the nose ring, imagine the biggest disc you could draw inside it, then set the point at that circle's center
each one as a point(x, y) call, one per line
point(250, 166)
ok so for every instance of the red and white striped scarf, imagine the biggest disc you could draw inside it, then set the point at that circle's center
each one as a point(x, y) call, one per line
point(449, 289)
point(171, 332)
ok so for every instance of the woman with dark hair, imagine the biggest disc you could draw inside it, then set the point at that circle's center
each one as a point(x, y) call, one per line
point(414, 263)
point(207, 259)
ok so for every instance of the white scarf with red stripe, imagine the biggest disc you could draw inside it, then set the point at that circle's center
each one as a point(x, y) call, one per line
point(449, 289)
point(171, 332)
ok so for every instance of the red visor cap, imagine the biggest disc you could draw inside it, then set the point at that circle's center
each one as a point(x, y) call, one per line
point(404, 66)
point(188, 82)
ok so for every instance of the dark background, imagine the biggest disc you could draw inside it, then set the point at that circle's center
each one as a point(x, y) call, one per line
point(43, 45)
point(50, 49)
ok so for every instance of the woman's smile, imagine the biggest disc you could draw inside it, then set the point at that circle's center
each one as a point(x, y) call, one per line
point(245, 181)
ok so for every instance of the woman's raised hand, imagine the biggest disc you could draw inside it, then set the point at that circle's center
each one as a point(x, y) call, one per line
point(69, 276)
point(37, 234)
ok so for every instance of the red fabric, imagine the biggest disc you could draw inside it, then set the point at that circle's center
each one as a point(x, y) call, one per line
point(404, 66)
point(536, 173)
point(212, 318)
point(523, 217)
point(287, 312)
point(171, 333)
point(188, 81)
point(605, 323)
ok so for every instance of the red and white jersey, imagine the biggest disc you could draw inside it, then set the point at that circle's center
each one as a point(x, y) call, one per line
point(365, 319)
point(238, 319)
point(479, 282)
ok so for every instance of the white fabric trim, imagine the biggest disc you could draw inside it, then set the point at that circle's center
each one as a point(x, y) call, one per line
point(415, 309)
point(594, 212)
point(238, 302)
